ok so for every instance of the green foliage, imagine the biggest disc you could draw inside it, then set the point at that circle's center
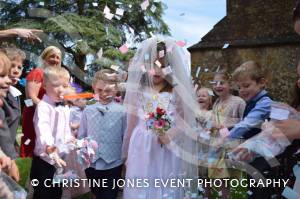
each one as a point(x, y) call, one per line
point(80, 28)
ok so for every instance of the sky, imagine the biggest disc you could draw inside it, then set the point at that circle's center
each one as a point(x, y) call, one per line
point(190, 20)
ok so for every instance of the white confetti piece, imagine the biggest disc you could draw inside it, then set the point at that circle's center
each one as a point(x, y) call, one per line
point(249, 192)
point(28, 102)
point(157, 63)
point(27, 142)
point(130, 6)
point(167, 70)
point(106, 10)
point(120, 12)
point(226, 45)
point(153, 8)
point(279, 114)
point(115, 67)
point(198, 71)
point(109, 16)
point(131, 30)
point(95, 4)
point(220, 193)
point(145, 5)
point(211, 93)
point(100, 53)
point(14, 91)
point(147, 57)
point(170, 49)
point(161, 53)
point(42, 3)
point(196, 87)
point(143, 68)
point(118, 17)
point(206, 70)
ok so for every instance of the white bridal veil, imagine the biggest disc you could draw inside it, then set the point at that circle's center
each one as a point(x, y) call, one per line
point(177, 63)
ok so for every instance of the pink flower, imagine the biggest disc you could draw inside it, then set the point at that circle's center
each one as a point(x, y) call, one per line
point(159, 124)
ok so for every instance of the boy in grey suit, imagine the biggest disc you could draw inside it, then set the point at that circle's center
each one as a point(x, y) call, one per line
point(105, 122)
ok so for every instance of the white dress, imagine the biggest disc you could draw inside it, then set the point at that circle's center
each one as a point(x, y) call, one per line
point(148, 159)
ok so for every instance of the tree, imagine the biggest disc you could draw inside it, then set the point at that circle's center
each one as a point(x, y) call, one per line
point(80, 28)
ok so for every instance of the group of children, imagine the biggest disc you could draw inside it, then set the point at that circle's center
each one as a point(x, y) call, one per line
point(56, 124)
point(156, 79)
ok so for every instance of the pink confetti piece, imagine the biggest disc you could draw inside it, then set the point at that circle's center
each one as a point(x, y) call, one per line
point(151, 71)
point(224, 132)
point(157, 63)
point(180, 43)
point(27, 141)
point(145, 5)
point(123, 49)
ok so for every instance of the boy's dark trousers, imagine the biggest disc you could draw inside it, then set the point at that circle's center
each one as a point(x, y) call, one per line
point(110, 175)
point(42, 170)
point(263, 168)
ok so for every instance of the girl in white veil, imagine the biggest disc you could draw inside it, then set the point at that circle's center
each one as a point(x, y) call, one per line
point(157, 78)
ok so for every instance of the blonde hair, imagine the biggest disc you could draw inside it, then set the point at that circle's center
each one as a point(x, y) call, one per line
point(12, 52)
point(208, 90)
point(48, 51)
point(59, 72)
point(5, 64)
point(251, 69)
point(102, 75)
point(224, 74)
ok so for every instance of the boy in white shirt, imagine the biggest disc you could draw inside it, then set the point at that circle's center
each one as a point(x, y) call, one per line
point(51, 123)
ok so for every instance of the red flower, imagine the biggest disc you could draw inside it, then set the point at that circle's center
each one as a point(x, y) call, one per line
point(160, 111)
point(150, 115)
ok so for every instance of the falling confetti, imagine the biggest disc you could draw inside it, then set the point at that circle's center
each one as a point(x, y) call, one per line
point(28, 102)
point(123, 49)
point(158, 63)
point(120, 12)
point(180, 43)
point(145, 5)
point(226, 45)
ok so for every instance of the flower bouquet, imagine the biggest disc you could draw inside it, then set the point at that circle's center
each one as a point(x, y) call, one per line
point(158, 121)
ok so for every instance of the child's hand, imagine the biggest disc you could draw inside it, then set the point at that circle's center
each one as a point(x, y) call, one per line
point(58, 161)
point(5, 162)
point(164, 139)
point(51, 149)
point(14, 171)
point(243, 154)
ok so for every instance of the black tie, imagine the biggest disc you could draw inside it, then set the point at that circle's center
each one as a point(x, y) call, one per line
point(59, 104)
